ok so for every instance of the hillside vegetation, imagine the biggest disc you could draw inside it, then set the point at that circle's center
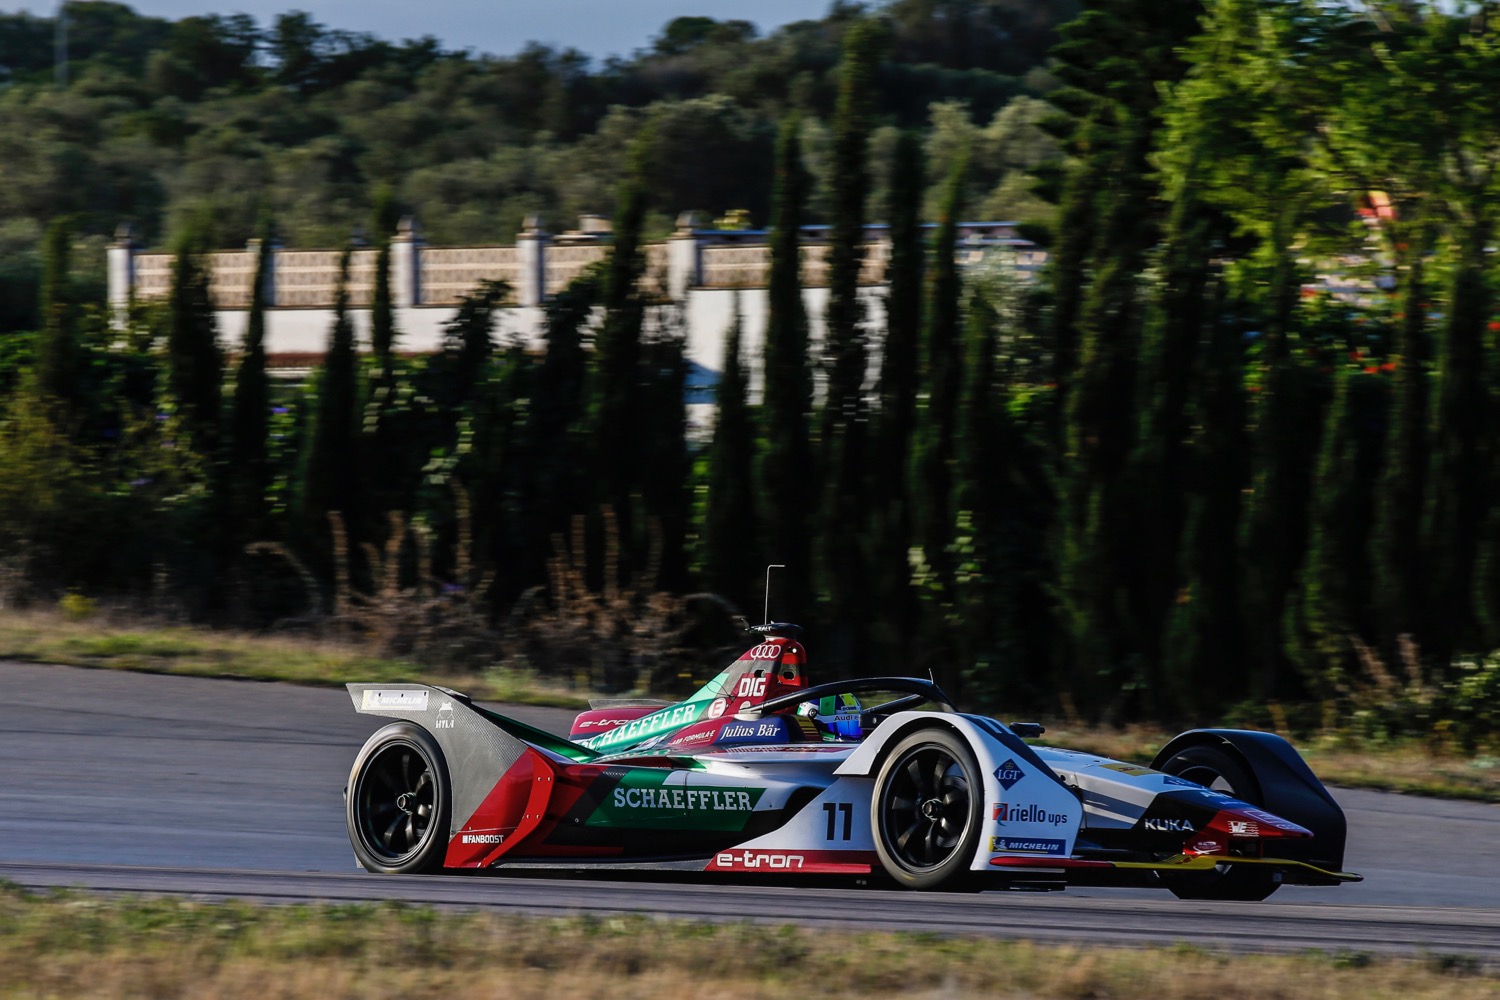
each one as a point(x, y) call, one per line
point(1231, 456)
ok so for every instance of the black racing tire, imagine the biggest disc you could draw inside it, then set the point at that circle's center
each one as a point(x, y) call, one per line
point(1221, 771)
point(927, 811)
point(398, 802)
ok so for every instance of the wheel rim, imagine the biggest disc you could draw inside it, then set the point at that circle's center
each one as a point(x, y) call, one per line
point(397, 801)
point(927, 808)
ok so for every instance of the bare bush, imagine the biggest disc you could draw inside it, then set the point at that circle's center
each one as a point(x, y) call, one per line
point(623, 635)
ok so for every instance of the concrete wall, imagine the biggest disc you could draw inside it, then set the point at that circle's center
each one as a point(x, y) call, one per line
point(703, 272)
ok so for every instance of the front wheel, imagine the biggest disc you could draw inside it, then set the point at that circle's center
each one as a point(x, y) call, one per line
point(398, 802)
point(927, 808)
point(1221, 771)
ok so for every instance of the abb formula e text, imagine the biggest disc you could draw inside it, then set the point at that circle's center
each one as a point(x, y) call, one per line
point(760, 773)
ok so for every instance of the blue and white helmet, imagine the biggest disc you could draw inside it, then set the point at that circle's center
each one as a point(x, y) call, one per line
point(836, 714)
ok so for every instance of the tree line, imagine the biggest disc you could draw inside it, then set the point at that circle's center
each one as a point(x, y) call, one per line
point(1173, 479)
point(165, 124)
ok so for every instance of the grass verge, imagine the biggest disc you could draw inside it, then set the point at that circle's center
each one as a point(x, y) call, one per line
point(1412, 767)
point(97, 641)
point(75, 945)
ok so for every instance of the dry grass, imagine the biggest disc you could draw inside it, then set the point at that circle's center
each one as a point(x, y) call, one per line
point(82, 946)
point(40, 636)
point(1414, 767)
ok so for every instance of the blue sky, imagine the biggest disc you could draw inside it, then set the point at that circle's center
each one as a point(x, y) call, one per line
point(501, 27)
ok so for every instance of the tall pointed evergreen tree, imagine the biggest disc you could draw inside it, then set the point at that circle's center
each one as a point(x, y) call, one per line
point(987, 579)
point(558, 419)
point(1380, 139)
point(195, 365)
point(845, 417)
point(617, 352)
point(57, 348)
point(1335, 582)
point(943, 372)
point(330, 474)
point(1460, 477)
point(1204, 620)
point(787, 479)
point(249, 420)
point(382, 315)
point(1112, 59)
point(729, 537)
point(1175, 323)
point(1396, 541)
point(662, 471)
point(1117, 56)
point(894, 427)
point(1249, 101)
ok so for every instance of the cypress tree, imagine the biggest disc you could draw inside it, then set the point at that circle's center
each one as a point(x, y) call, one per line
point(558, 412)
point(331, 465)
point(1112, 60)
point(844, 347)
point(382, 316)
point(787, 479)
point(1097, 563)
point(661, 473)
point(617, 352)
point(57, 348)
point(729, 535)
point(1400, 587)
point(845, 421)
point(382, 425)
point(985, 578)
point(1204, 620)
point(194, 363)
point(895, 424)
point(979, 447)
point(1457, 500)
point(944, 360)
point(1175, 323)
point(1067, 261)
point(1284, 453)
point(1335, 583)
point(900, 363)
point(250, 410)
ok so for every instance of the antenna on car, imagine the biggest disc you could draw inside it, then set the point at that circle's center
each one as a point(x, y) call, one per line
point(767, 612)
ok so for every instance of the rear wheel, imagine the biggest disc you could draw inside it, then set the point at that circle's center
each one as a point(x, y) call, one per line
point(398, 802)
point(927, 811)
point(1221, 771)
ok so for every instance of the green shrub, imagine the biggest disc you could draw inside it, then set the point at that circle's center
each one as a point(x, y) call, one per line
point(1472, 716)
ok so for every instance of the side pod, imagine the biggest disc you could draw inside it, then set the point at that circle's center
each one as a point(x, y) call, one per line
point(1287, 787)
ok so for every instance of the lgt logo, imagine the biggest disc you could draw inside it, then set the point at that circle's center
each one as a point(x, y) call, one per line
point(1009, 773)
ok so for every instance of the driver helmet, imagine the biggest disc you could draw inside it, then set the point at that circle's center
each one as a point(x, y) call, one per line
point(837, 715)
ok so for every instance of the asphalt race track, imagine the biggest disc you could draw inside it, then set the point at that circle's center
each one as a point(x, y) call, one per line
point(142, 783)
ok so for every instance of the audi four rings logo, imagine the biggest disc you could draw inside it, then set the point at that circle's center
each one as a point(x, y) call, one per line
point(765, 651)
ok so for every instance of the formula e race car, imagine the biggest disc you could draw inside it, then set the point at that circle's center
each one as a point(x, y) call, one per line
point(880, 778)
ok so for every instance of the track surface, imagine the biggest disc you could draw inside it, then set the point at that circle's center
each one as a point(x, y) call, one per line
point(166, 784)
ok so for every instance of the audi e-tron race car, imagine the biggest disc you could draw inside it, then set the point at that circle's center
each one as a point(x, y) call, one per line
point(760, 773)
